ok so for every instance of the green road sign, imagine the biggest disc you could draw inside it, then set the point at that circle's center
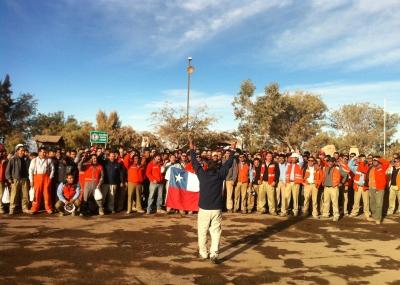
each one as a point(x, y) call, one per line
point(98, 137)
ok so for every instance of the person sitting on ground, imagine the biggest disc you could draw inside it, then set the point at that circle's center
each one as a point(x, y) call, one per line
point(68, 193)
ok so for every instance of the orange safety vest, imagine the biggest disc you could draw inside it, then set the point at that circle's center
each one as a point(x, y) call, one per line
point(243, 175)
point(271, 172)
point(317, 177)
point(298, 173)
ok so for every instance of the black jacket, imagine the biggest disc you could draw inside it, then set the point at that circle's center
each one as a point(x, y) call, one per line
point(14, 171)
point(211, 183)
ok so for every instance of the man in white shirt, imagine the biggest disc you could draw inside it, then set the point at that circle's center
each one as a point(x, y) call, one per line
point(41, 171)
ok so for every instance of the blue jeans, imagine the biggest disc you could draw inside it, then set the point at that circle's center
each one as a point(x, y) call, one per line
point(152, 190)
point(376, 203)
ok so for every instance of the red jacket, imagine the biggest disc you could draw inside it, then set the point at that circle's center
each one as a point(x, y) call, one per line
point(136, 173)
point(189, 167)
point(153, 172)
point(3, 166)
point(69, 191)
point(93, 173)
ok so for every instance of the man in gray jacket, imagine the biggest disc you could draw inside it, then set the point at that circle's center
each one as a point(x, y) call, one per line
point(17, 175)
point(230, 181)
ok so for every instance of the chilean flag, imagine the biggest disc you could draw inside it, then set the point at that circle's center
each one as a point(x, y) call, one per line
point(183, 190)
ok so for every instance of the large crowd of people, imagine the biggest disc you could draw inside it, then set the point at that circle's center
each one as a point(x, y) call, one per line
point(103, 181)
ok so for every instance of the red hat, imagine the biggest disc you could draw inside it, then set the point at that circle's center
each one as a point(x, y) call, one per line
point(93, 148)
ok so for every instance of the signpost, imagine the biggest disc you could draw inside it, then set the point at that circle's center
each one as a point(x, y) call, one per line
point(98, 137)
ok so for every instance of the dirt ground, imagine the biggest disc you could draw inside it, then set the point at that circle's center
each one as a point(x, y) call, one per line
point(161, 249)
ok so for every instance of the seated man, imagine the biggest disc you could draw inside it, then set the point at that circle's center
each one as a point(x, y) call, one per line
point(68, 193)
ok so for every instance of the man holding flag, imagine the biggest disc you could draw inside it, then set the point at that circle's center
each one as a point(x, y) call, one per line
point(210, 202)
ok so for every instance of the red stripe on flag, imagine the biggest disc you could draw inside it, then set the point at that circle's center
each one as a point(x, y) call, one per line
point(182, 199)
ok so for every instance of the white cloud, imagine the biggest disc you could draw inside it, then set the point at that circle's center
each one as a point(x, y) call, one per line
point(168, 28)
point(335, 94)
point(353, 34)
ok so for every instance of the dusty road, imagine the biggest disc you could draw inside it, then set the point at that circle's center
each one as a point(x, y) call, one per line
point(161, 249)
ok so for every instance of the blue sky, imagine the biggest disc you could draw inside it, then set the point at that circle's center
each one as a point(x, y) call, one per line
point(80, 56)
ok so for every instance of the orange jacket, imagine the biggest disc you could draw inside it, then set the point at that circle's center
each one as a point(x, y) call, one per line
point(243, 173)
point(318, 176)
point(379, 175)
point(335, 176)
point(298, 173)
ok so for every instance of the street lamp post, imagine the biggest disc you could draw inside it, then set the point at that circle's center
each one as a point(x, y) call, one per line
point(190, 70)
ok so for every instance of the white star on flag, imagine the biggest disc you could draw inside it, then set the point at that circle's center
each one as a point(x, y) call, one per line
point(178, 177)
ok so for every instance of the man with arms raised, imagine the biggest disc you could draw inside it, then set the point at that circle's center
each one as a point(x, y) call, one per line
point(210, 202)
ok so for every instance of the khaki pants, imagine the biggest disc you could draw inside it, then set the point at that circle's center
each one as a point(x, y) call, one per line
point(331, 194)
point(135, 195)
point(311, 193)
point(344, 193)
point(251, 199)
point(60, 205)
point(19, 195)
point(376, 203)
point(394, 193)
point(229, 193)
point(209, 220)
point(292, 191)
point(358, 194)
point(280, 194)
point(240, 196)
point(266, 191)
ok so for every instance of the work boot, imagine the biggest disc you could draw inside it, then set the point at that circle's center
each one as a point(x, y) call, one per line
point(215, 260)
point(101, 212)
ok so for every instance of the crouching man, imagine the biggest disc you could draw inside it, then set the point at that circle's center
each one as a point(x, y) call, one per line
point(68, 193)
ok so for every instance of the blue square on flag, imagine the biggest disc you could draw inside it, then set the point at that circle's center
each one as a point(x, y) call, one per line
point(183, 190)
point(179, 178)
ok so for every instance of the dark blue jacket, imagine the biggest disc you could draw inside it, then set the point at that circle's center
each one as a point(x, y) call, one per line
point(211, 183)
point(113, 172)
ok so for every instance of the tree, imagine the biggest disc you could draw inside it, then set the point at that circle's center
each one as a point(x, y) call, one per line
point(106, 122)
point(170, 124)
point(125, 136)
point(75, 134)
point(361, 124)
point(47, 124)
point(213, 139)
point(15, 114)
point(243, 107)
point(320, 140)
point(277, 119)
